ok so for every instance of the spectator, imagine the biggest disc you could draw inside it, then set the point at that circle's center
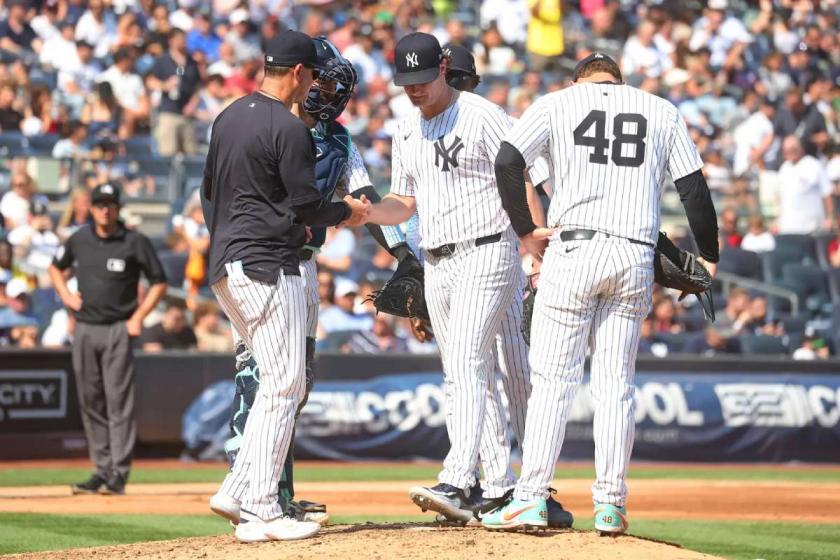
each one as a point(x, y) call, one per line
point(717, 172)
point(341, 316)
point(16, 35)
point(665, 315)
point(72, 146)
point(796, 118)
point(758, 239)
point(203, 39)
point(78, 76)
point(128, 89)
point(753, 139)
point(240, 35)
point(646, 53)
point(18, 328)
point(493, 56)
point(604, 35)
point(650, 342)
point(737, 302)
point(10, 118)
point(381, 339)
point(834, 251)
point(210, 334)
point(76, 214)
point(97, 27)
point(813, 347)
point(59, 333)
point(380, 266)
point(176, 76)
point(35, 243)
point(15, 204)
point(212, 100)
point(370, 63)
point(39, 115)
point(102, 115)
point(338, 250)
point(728, 229)
point(711, 341)
point(60, 50)
point(805, 201)
point(509, 16)
point(172, 333)
point(545, 35)
point(719, 32)
point(754, 320)
point(326, 289)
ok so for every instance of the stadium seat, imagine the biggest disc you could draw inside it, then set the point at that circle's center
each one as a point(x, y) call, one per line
point(741, 262)
point(334, 341)
point(139, 146)
point(794, 323)
point(774, 261)
point(174, 265)
point(42, 144)
point(803, 245)
point(675, 341)
point(159, 169)
point(760, 344)
point(811, 282)
point(13, 144)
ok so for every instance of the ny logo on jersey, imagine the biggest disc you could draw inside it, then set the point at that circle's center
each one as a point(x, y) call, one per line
point(446, 156)
point(411, 60)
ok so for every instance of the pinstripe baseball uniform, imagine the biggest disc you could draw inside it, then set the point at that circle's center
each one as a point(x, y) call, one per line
point(510, 356)
point(471, 263)
point(609, 147)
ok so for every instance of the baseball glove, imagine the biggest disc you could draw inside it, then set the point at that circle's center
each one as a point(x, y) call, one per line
point(528, 300)
point(680, 270)
point(404, 295)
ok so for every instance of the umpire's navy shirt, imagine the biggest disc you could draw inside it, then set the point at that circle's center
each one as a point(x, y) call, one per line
point(108, 270)
point(261, 162)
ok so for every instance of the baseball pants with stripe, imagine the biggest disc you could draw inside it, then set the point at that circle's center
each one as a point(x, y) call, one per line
point(592, 294)
point(467, 295)
point(270, 319)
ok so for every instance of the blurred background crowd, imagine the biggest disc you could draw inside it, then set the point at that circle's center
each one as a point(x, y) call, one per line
point(126, 91)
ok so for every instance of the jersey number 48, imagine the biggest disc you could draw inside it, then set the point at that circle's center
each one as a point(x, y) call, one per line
point(600, 143)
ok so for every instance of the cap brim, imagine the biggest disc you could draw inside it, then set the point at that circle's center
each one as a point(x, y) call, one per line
point(416, 78)
point(98, 199)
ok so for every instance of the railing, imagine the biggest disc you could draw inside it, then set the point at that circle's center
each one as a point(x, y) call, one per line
point(727, 279)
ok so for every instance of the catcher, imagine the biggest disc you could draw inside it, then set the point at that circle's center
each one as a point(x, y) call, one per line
point(339, 168)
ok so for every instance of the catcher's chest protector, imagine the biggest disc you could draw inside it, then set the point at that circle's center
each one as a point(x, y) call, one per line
point(332, 152)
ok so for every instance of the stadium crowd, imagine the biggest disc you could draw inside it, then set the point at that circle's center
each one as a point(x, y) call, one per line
point(102, 85)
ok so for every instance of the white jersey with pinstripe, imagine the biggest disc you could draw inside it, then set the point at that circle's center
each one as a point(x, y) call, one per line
point(447, 164)
point(610, 147)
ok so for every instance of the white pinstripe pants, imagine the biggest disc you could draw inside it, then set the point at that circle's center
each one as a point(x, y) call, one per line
point(592, 293)
point(270, 320)
point(309, 273)
point(467, 295)
point(511, 354)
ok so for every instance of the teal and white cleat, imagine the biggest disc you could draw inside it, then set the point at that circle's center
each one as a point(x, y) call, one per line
point(531, 514)
point(610, 520)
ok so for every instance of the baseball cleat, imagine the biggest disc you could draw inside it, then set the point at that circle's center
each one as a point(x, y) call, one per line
point(280, 529)
point(518, 514)
point(90, 486)
point(225, 506)
point(610, 520)
point(558, 518)
point(443, 521)
point(446, 499)
point(309, 511)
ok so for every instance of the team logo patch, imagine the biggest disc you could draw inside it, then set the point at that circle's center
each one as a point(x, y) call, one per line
point(115, 265)
point(411, 60)
point(446, 157)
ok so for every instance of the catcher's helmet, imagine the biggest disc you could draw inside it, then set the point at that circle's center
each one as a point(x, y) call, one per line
point(330, 93)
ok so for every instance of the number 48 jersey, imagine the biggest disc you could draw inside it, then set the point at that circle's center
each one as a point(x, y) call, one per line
point(609, 147)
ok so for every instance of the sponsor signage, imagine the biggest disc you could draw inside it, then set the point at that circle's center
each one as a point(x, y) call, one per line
point(33, 395)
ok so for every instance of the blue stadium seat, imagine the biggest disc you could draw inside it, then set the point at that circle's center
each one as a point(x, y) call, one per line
point(42, 143)
point(774, 261)
point(810, 282)
point(334, 341)
point(804, 245)
point(174, 265)
point(139, 146)
point(760, 344)
point(13, 144)
point(675, 341)
point(741, 262)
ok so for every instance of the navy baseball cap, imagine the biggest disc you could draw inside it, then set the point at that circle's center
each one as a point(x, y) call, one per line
point(105, 192)
point(290, 48)
point(591, 58)
point(460, 59)
point(417, 59)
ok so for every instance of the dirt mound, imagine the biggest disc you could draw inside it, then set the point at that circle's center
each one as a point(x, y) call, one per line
point(410, 541)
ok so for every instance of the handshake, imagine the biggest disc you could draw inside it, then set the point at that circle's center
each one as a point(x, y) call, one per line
point(359, 211)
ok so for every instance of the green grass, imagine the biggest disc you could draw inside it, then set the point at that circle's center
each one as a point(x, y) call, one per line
point(361, 472)
point(739, 540)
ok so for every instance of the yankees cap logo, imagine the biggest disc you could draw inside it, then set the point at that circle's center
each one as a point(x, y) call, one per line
point(411, 60)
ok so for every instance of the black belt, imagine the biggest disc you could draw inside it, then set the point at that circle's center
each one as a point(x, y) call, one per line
point(449, 249)
point(305, 254)
point(587, 234)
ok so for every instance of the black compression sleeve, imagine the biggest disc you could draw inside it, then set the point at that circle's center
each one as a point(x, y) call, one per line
point(314, 214)
point(700, 210)
point(375, 229)
point(510, 178)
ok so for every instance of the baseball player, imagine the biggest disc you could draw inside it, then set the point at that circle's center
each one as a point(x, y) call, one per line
point(610, 146)
point(259, 190)
point(510, 351)
point(338, 168)
point(442, 168)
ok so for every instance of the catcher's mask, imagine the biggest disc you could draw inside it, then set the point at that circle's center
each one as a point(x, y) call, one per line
point(330, 93)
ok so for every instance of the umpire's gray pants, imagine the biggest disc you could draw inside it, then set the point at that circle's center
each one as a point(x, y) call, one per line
point(103, 363)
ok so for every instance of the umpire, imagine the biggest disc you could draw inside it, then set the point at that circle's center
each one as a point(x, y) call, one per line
point(107, 260)
point(259, 190)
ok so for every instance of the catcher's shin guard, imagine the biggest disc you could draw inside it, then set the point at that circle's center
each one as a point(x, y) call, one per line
point(247, 383)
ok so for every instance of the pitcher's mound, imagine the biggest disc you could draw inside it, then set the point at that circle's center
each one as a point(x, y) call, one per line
point(415, 541)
